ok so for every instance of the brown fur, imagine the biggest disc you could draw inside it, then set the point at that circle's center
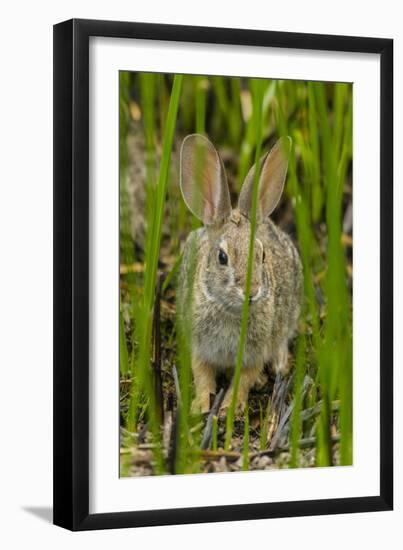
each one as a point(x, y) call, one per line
point(211, 296)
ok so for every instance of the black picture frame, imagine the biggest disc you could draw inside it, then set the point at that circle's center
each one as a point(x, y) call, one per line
point(71, 274)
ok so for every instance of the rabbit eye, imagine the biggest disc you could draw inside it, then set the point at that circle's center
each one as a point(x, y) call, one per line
point(222, 257)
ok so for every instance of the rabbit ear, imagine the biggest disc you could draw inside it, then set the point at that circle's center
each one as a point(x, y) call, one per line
point(273, 169)
point(203, 181)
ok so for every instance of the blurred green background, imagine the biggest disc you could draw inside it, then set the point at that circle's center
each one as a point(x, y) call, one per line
point(305, 420)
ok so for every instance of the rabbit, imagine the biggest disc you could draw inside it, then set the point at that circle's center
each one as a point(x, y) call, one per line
point(214, 266)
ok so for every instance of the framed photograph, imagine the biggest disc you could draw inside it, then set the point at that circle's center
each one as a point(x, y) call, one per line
point(223, 288)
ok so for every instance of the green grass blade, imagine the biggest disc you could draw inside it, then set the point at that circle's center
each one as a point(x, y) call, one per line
point(145, 308)
point(214, 444)
point(295, 434)
point(257, 108)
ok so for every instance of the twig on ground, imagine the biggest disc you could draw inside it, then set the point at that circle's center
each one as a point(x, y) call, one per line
point(173, 444)
point(306, 414)
point(217, 455)
point(171, 460)
point(208, 432)
point(304, 443)
point(280, 389)
point(232, 456)
point(283, 424)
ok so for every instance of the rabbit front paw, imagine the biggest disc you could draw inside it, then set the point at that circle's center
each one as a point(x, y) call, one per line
point(239, 409)
point(201, 404)
point(205, 385)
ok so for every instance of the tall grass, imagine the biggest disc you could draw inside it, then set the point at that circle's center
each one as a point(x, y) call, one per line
point(241, 115)
point(144, 313)
point(332, 350)
point(257, 91)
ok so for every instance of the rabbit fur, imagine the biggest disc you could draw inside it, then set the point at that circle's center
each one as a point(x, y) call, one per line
point(214, 267)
